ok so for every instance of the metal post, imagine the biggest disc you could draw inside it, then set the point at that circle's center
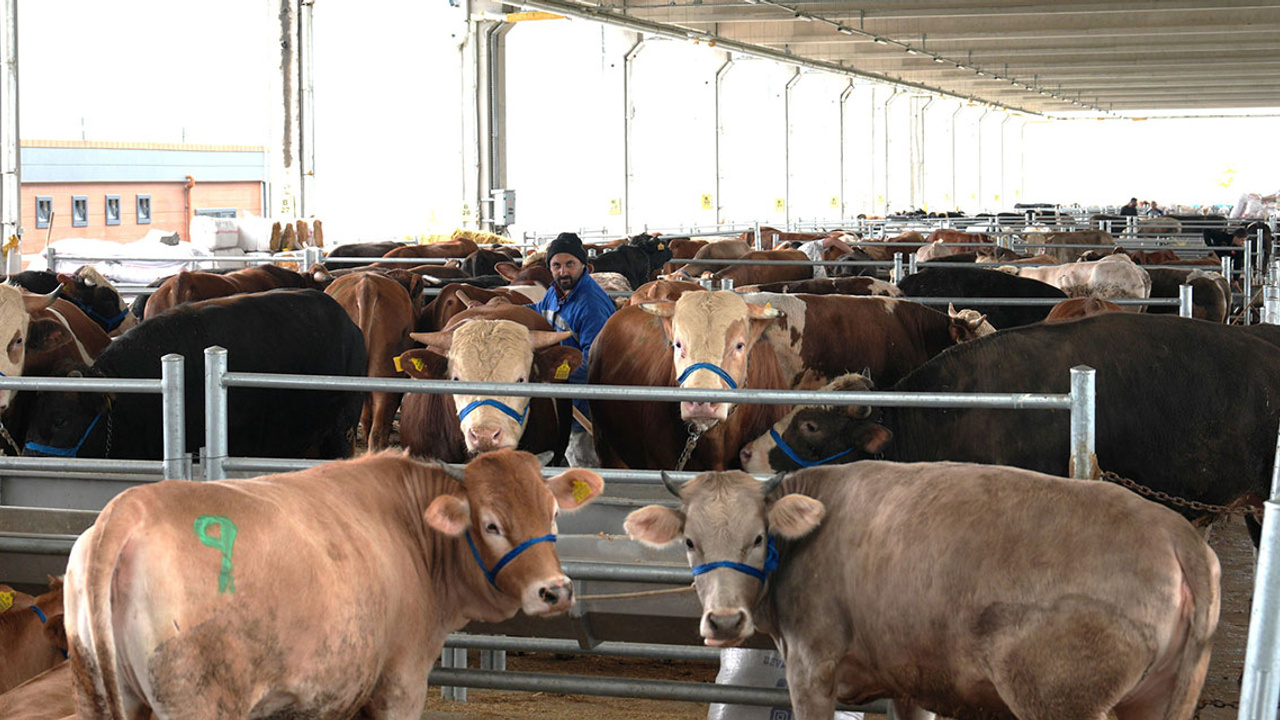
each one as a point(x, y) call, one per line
point(453, 658)
point(1184, 301)
point(1083, 414)
point(706, 282)
point(1271, 304)
point(311, 256)
point(1246, 281)
point(493, 659)
point(726, 283)
point(914, 266)
point(1261, 682)
point(215, 413)
point(897, 269)
point(10, 153)
point(174, 421)
point(759, 240)
point(1275, 470)
point(52, 256)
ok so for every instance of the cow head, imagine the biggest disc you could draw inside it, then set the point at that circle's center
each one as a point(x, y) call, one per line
point(728, 525)
point(817, 435)
point(15, 326)
point(492, 351)
point(968, 324)
point(711, 336)
point(69, 424)
point(505, 503)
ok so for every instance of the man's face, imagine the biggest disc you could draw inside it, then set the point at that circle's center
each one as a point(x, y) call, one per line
point(566, 270)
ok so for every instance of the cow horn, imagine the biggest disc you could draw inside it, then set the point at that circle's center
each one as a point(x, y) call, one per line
point(673, 485)
point(772, 484)
point(545, 458)
point(452, 471)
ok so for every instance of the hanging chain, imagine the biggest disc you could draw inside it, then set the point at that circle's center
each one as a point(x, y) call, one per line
point(694, 435)
point(4, 433)
point(1216, 511)
point(110, 415)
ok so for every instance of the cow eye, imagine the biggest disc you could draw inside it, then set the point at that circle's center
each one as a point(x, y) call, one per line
point(688, 543)
point(492, 529)
point(759, 539)
point(809, 427)
point(740, 346)
point(678, 345)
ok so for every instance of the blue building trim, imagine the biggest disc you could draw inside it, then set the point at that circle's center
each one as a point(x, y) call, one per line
point(71, 165)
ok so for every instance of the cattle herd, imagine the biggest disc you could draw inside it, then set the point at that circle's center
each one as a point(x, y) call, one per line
point(933, 557)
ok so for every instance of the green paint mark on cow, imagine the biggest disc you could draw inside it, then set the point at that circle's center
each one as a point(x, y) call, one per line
point(224, 542)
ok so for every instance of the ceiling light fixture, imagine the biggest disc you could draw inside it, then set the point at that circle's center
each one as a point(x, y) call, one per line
point(881, 41)
point(912, 51)
point(802, 16)
point(938, 59)
point(844, 30)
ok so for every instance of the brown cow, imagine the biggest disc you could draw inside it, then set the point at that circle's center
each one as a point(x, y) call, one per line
point(716, 328)
point(662, 290)
point(32, 639)
point(1078, 237)
point(1210, 292)
point(761, 274)
point(819, 337)
point(496, 342)
point(16, 308)
point(459, 248)
point(322, 593)
point(719, 250)
point(195, 286)
point(773, 237)
point(888, 580)
point(907, 242)
point(1078, 307)
point(382, 309)
point(960, 238)
point(47, 696)
point(857, 285)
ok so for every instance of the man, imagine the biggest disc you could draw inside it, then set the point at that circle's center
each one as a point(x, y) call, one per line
point(577, 304)
point(1131, 208)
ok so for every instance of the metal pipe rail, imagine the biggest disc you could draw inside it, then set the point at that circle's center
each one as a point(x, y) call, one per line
point(655, 651)
point(1080, 401)
point(625, 688)
point(1030, 301)
point(170, 386)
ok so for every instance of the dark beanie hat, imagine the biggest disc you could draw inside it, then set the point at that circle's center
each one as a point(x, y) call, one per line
point(567, 243)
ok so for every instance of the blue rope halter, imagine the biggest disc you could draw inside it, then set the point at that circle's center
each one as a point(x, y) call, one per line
point(110, 323)
point(770, 564)
point(707, 366)
point(43, 621)
point(799, 460)
point(505, 408)
point(65, 452)
point(515, 552)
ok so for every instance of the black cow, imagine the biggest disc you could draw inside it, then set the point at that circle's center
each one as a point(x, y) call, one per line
point(962, 282)
point(482, 262)
point(280, 331)
point(1167, 416)
point(101, 303)
point(373, 250)
point(637, 260)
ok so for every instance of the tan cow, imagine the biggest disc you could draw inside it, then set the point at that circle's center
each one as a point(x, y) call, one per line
point(1114, 276)
point(1076, 237)
point(47, 696)
point(918, 583)
point(321, 593)
point(31, 638)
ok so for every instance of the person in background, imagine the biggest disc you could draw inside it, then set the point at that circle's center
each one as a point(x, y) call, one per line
point(1130, 208)
point(575, 303)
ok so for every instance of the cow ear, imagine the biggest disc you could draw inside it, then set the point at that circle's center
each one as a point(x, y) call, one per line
point(508, 270)
point(449, 514)
point(873, 438)
point(575, 487)
point(541, 339)
point(655, 525)
point(47, 334)
point(55, 631)
point(466, 300)
point(794, 516)
point(442, 340)
point(422, 364)
point(662, 308)
point(556, 364)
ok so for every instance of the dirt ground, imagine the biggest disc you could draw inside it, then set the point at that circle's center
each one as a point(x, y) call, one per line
point(1218, 700)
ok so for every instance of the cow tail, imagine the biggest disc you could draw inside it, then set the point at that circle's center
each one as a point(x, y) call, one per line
point(94, 658)
point(1201, 577)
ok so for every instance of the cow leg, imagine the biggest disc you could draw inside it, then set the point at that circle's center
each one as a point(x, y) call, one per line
point(366, 419)
point(564, 426)
point(811, 681)
point(903, 710)
point(396, 698)
point(382, 409)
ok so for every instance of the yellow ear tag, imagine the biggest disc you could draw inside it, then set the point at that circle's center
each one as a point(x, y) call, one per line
point(768, 305)
point(661, 246)
point(562, 372)
point(396, 361)
point(417, 363)
point(581, 491)
point(6, 598)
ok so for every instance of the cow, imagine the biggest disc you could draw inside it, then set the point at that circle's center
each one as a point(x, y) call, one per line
point(87, 289)
point(761, 274)
point(1149, 368)
point(16, 308)
point(771, 238)
point(702, 340)
point(453, 299)
point(32, 639)
point(637, 261)
point(884, 249)
point(662, 290)
point(1210, 292)
point(321, 593)
point(1079, 307)
point(47, 696)
point(280, 331)
point(383, 310)
point(719, 250)
point(367, 251)
point(829, 286)
point(1077, 237)
point(188, 287)
point(459, 248)
point(1112, 277)
point(819, 337)
point(495, 342)
point(901, 581)
point(960, 238)
point(967, 282)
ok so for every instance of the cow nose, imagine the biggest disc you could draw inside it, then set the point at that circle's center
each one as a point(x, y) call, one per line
point(485, 437)
point(726, 622)
point(557, 593)
point(700, 409)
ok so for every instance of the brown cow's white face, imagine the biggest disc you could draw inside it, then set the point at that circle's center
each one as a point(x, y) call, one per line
point(724, 517)
point(712, 328)
point(15, 321)
point(491, 351)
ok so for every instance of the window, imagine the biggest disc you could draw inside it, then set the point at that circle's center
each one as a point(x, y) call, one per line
point(217, 212)
point(79, 210)
point(113, 209)
point(144, 209)
point(44, 211)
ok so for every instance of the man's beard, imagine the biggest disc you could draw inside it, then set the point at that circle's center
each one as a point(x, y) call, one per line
point(567, 283)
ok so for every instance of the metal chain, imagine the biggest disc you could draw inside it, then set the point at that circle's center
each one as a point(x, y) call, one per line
point(694, 435)
point(110, 415)
point(4, 433)
point(1217, 511)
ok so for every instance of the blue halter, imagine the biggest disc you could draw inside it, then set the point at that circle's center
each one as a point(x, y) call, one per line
point(799, 460)
point(111, 323)
point(44, 620)
point(65, 452)
point(515, 551)
point(770, 564)
point(505, 408)
point(707, 366)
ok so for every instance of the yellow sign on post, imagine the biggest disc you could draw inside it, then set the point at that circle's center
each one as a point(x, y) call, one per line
point(779, 204)
point(615, 207)
point(835, 202)
point(706, 202)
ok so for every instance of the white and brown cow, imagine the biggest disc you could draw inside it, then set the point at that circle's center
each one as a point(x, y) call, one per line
point(322, 593)
point(1114, 276)
point(902, 581)
point(16, 308)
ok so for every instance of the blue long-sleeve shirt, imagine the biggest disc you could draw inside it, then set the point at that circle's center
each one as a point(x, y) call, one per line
point(582, 312)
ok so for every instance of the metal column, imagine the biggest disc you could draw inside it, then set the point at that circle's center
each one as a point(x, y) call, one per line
point(786, 147)
point(844, 98)
point(215, 413)
point(306, 114)
point(627, 62)
point(1084, 385)
point(10, 158)
point(1260, 685)
point(174, 419)
point(724, 70)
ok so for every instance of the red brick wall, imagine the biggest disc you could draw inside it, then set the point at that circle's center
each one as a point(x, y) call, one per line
point(168, 208)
